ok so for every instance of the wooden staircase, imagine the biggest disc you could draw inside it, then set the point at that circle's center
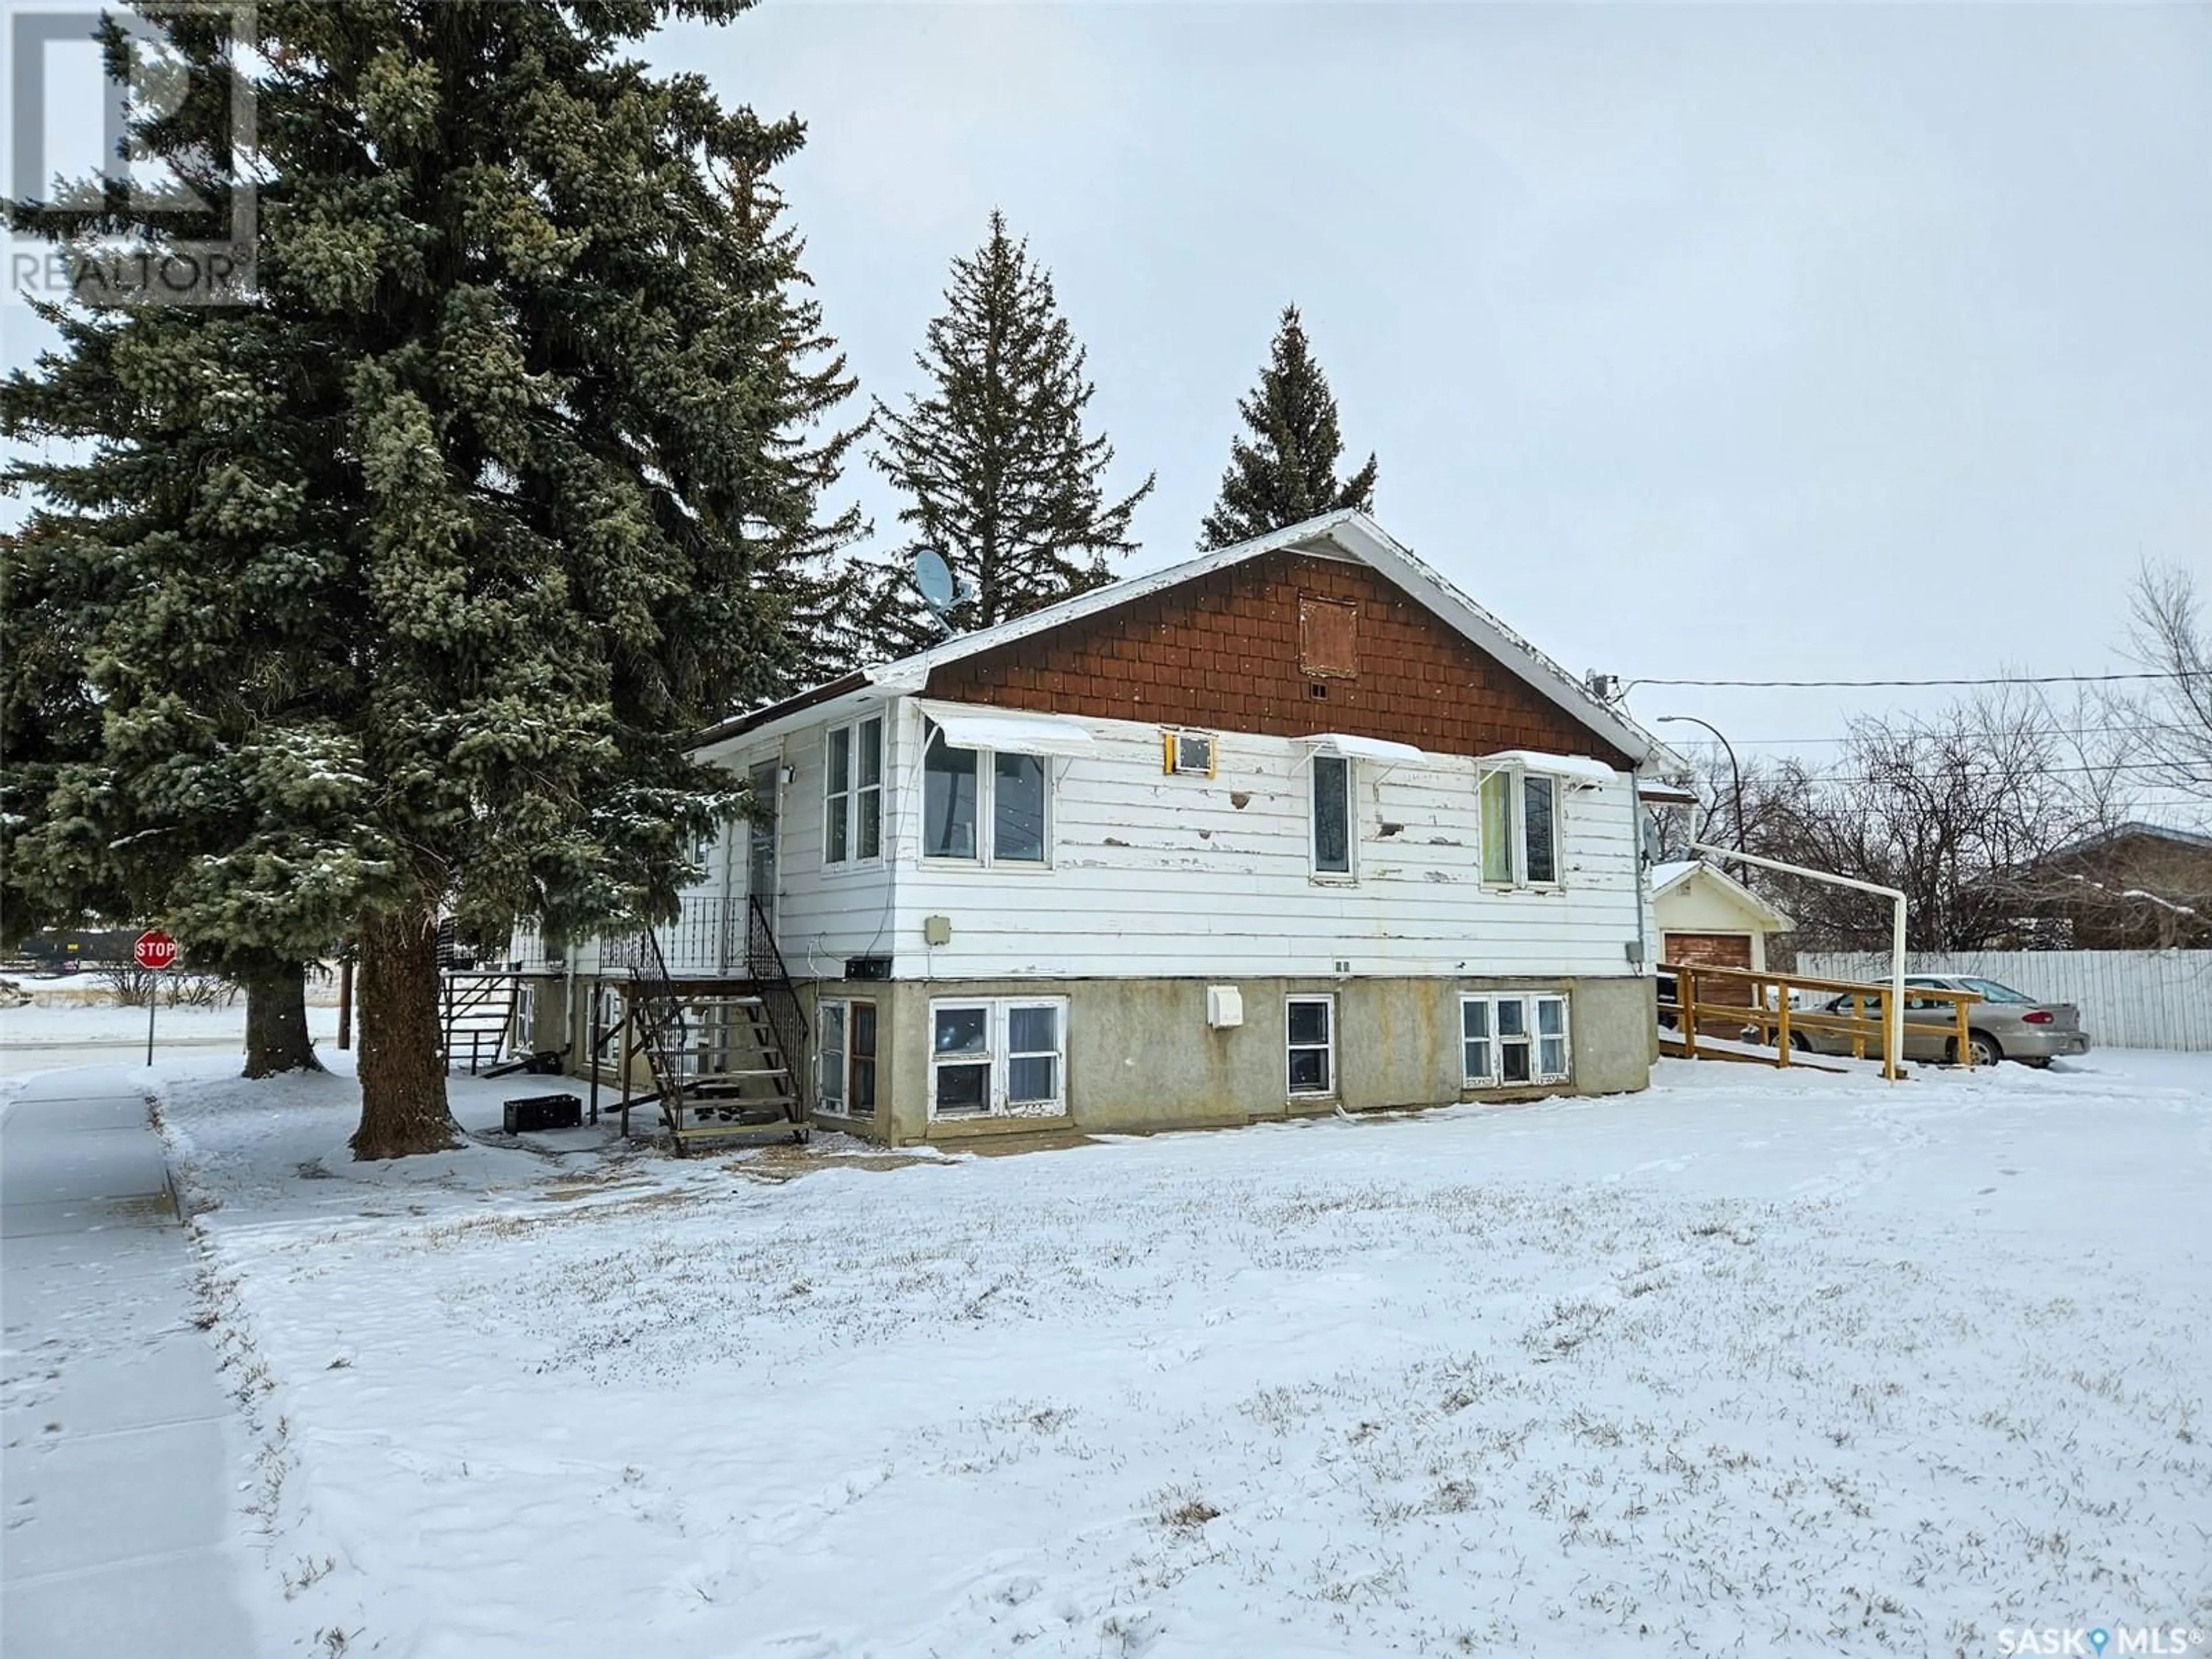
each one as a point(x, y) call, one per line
point(728, 1056)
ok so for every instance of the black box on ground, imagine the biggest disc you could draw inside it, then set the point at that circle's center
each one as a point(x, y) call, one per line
point(542, 1112)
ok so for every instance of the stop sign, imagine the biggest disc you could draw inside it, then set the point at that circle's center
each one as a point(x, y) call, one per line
point(156, 950)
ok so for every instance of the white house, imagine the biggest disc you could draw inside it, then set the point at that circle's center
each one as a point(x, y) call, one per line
point(1290, 827)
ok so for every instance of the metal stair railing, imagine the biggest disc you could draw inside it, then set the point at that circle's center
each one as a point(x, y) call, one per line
point(786, 1019)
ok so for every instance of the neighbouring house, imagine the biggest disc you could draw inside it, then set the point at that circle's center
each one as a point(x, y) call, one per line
point(1292, 827)
point(2133, 887)
point(1708, 919)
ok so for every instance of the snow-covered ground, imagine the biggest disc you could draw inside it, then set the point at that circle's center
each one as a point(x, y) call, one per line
point(1754, 1362)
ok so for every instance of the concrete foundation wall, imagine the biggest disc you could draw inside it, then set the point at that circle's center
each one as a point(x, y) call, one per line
point(1139, 1055)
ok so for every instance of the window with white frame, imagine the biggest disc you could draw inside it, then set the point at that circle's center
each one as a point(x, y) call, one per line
point(853, 791)
point(846, 1082)
point(997, 1057)
point(1520, 827)
point(523, 1035)
point(1332, 815)
point(1310, 1060)
point(1514, 1037)
point(962, 790)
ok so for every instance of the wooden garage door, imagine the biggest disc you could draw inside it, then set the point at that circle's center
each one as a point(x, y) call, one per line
point(1713, 951)
point(1709, 950)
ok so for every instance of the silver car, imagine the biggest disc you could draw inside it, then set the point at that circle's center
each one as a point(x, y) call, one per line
point(2006, 1024)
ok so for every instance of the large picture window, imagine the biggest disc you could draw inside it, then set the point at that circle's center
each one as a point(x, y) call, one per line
point(997, 1057)
point(853, 791)
point(1519, 821)
point(963, 790)
point(1514, 1038)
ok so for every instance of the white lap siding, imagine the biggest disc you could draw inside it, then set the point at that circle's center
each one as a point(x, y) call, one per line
point(1155, 875)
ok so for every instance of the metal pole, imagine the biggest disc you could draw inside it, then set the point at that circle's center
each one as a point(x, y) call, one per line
point(153, 1002)
point(1735, 772)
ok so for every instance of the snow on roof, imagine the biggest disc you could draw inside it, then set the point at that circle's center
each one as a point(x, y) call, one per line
point(1665, 875)
point(967, 726)
point(1381, 749)
point(1565, 766)
point(1349, 533)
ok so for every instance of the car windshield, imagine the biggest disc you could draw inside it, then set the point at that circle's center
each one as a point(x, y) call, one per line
point(1994, 992)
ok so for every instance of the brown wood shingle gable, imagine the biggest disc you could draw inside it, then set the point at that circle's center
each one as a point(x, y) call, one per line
point(1242, 648)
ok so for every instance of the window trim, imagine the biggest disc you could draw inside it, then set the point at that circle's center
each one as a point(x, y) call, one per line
point(846, 802)
point(1333, 1090)
point(1349, 875)
point(1532, 1036)
point(986, 808)
point(1516, 828)
point(1173, 737)
point(844, 1006)
point(998, 1041)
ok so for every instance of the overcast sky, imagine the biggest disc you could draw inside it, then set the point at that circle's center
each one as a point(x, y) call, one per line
point(1703, 342)
point(1699, 341)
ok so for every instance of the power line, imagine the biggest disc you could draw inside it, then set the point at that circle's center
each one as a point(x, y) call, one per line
point(1866, 685)
point(1833, 738)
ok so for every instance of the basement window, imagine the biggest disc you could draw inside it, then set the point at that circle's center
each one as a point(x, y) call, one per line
point(1309, 1052)
point(846, 1079)
point(999, 1057)
point(1514, 1039)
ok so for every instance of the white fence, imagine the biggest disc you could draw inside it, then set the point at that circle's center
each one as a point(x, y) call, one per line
point(2127, 998)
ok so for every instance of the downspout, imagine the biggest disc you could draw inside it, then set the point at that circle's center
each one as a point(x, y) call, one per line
point(1643, 962)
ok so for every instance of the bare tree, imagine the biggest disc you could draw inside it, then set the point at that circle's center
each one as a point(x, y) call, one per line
point(2172, 720)
point(1945, 810)
point(1712, 820)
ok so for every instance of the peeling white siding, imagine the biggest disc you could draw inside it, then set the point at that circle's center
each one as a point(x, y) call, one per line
point(1153, 875)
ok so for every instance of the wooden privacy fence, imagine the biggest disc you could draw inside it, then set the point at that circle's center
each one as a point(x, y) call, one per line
point(1759, 1002)
point(2127, 998)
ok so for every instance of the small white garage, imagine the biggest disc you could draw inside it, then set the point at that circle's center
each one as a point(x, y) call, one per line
point(1706, 918)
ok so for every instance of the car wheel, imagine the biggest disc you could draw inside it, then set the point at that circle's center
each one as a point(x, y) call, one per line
point(1980, 1045)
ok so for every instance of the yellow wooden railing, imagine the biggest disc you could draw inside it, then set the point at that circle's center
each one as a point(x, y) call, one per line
point(1767, 1010)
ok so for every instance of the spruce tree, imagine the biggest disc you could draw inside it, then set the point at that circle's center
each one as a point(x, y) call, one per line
point(77, 846)
point(1285, 470)
point(409, 581)
point(998, 472)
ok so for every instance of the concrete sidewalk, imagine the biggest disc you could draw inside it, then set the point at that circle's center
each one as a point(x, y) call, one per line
point(120, 1452)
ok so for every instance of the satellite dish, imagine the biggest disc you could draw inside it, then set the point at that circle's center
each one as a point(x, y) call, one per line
point(933, 578)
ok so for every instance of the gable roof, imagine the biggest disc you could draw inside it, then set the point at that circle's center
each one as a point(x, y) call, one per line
point(1347, 533)
point(1666, 876)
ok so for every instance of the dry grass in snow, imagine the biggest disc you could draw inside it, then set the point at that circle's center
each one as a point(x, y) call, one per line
point(1751, 1363)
